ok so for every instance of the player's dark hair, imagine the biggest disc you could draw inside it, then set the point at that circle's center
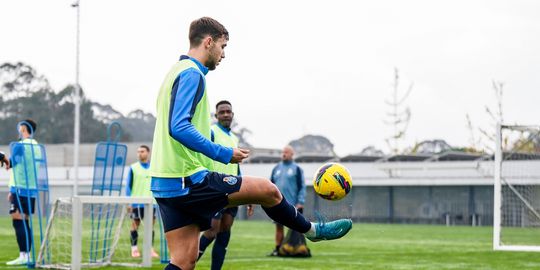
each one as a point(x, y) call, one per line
point(203, 27)
point(223, 102)
point(145, 147)
point(30, 125)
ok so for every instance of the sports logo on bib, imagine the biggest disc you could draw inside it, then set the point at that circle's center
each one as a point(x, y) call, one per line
point(230, 180)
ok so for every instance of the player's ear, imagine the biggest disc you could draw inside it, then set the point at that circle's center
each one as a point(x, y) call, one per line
point(207, 42)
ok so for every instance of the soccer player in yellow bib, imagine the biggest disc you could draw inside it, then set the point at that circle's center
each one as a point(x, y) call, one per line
point(221, 133)
point(21, 200)
point(138, 185)
point(188, 190)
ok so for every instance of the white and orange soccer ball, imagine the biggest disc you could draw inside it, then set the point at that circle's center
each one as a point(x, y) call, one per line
point(332, 181)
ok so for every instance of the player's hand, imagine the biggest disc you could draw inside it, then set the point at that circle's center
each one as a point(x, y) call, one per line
point(9, 197)
point(5, 161)
point(299, 207)
point(250, 210)
point(239, 154)
point(129, 209)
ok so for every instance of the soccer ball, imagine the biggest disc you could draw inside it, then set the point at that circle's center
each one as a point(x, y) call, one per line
point(332, 181)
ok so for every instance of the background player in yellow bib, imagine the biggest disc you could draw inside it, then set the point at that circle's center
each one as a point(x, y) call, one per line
point(22, 201)
point(222, 222)
point(138, 185)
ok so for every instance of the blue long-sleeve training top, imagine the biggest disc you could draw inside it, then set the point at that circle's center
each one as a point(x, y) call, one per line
point(289, 178)
point(187, 91)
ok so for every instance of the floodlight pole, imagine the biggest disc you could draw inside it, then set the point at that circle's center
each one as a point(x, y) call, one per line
point(77, 101)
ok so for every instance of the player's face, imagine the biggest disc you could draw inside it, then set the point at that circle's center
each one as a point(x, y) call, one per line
point(287, 154)
point(225, 115)
point(24, 131)
point(216, 52)
point(142, 154)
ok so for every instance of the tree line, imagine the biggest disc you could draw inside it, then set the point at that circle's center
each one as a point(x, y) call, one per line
point(24, 93)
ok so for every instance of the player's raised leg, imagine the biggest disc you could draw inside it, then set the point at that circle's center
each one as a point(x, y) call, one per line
point(261, 191)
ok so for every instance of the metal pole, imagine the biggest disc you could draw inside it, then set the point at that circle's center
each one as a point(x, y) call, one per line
point(76, 131)
point(76, 234)
point(148, 229)
point(497, 188)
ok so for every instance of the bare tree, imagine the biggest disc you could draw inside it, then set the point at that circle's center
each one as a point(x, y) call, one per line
point(399, 115)
point(243, 133)
point(474, 141)
point(496, 116)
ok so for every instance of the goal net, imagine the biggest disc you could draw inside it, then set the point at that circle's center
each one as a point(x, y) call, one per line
point(94, 231)
point(517, 189)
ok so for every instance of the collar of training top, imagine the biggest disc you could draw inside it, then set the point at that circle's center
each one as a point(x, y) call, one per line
point(203, 69)
point(226, 130)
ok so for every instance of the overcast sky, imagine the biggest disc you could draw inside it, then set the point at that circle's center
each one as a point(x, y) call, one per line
point(300, 67)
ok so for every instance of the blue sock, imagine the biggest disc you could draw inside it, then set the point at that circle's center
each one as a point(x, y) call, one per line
point(171, 266)
point(286, 214)
point(203, 244)
point(220, 249)
point(20, 234)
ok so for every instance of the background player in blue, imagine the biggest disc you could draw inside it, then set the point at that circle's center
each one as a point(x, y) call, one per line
point(222, 222)
point(186, 189)
point(19, 209)
point(138, 185)
point(289, 178)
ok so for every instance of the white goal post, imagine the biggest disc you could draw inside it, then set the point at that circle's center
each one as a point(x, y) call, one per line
point(516, 207)
point(93, 231)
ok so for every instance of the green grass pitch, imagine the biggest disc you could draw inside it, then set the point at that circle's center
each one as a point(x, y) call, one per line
point(367, 246)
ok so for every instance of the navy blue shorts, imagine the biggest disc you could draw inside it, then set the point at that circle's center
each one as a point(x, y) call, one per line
point(203, 201)
point(233, 211)
point(23, 207)
point(138, 213)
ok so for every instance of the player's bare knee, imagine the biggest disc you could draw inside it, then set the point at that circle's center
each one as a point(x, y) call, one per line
point(226, 227)
point(187, 263)
point(16, 216)
point(274, 195)
point(211, 233)
point(184, 264)
point(190, 265)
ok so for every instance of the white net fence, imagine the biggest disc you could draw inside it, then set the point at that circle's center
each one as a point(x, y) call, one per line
point(519, 174)
point(92, 232)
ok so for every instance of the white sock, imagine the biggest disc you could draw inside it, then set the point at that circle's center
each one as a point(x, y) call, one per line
point(134, 248)
point(21, 255)
point(311, 232)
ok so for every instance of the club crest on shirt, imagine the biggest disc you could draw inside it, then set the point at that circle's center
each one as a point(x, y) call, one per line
point(290, 172)
point(230, 180)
